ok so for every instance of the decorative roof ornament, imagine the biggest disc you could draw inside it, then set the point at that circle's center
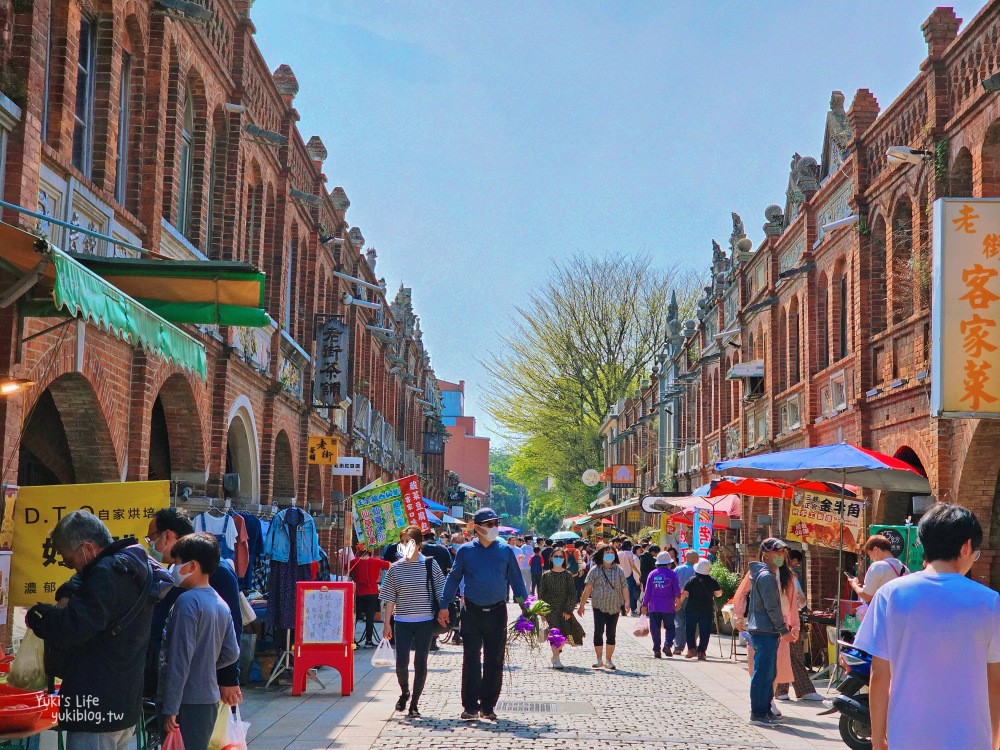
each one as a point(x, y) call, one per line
point(738, 232)
point(339, 198)
point(836, 137)
point(371, 256)
point(357, 239)
point(286, 82)
point(775, 220)
point(803, 182)
point(316, 150)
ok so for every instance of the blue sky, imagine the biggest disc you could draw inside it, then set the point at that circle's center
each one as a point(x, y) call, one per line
point(479, 140)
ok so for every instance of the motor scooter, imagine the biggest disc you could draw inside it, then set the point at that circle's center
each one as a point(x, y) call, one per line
point(852, 703)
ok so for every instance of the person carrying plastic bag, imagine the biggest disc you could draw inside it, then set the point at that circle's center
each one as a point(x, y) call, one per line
point(659, 602)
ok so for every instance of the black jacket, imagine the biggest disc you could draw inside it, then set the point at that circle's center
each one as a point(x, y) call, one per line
point(102, 672)
point(440, 554)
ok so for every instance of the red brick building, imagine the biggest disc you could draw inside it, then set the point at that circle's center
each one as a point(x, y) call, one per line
point(171, 133)
point(817, 336)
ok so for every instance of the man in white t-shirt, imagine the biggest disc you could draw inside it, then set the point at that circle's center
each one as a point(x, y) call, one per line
point(935, 639)
point(884, 568)
point(527, 550)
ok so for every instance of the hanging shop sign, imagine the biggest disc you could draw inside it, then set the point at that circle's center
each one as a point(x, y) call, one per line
point(380, 512)
point(125, 508)
point(965, 358)
point(349, 467)
point(815, 519)
point(332, 349)
point(623, 476)
point(322, 450)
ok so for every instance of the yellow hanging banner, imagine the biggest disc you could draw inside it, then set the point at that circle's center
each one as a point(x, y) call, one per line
point(125, 508)
point(323, 450)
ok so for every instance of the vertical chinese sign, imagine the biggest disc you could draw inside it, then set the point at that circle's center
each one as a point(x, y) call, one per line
point(380, 512)
point(965, 379)
point(332, 351)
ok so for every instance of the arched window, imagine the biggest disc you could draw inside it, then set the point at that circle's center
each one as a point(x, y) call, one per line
point(781, 346)
point(844, 306)
point(124, 126)
point(794, 360)
point(822, 323)
point(991, 162)
point(877, 288)
point(293, 250)
point(961, 175)
point(186, 174)
point(83, 112)
point(902, 270)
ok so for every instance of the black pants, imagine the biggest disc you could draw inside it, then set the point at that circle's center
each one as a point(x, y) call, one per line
point(536, 578)
point(702, 622)
point(416, 637)
point(603, 622)
point(366, 606)
point(484, 641)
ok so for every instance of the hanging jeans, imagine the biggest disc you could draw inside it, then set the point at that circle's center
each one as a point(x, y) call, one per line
point(765, 669)
point(666, 621)
point(416, 637)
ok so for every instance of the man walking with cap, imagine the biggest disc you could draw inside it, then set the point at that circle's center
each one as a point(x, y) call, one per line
point(488, 566)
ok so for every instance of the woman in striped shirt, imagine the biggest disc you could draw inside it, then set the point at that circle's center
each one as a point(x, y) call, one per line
point(411, 592)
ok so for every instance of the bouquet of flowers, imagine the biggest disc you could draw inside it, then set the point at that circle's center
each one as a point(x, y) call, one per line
point(528, 626)
point(556, 639)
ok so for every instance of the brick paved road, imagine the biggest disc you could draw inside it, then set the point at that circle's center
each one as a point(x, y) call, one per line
point(647, 704)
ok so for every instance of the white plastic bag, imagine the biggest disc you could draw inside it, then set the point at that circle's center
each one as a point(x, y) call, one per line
point(230, 732)
point(641, 629)
point(28, 669)
point(385, 655)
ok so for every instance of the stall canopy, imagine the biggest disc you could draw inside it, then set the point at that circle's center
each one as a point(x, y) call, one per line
point(207, 292)
point(73, 290)
point(615, 508)
point(435, 506)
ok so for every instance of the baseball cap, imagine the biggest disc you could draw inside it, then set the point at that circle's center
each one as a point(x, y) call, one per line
point(664, 558)
point(485, 514)
point(772, 544)
point(703, 567)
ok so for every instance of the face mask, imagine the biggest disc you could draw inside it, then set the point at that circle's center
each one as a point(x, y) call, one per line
point(557, 562)
point(407, 548)
point(155, 553)
point(491, 533)
point(609, 559)
point(456, 545)
point(778, 560)
point(179, 577)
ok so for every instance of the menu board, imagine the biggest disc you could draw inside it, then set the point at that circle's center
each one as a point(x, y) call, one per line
point(323, 615)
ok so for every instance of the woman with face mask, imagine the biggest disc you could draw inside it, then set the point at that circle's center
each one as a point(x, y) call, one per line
point(557, 588)
point(606, 583)
point(410, 591)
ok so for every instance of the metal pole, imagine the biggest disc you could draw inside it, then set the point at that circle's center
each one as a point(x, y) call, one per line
point(840, 572)
point(72, 227)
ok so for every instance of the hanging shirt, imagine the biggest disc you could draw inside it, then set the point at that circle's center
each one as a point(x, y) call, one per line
point(255, 546)
point(223, 529)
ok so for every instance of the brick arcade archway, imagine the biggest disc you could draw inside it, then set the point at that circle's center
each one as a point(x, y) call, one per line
point(894, 507)
point(979, 491)
point(242, 453)
point(66, 438)
point(175, 439)
point(283, 487)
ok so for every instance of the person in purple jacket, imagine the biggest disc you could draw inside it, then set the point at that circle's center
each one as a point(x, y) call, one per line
point(659, 602)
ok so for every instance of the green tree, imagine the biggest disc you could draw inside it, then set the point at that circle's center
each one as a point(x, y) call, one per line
point(583, 341)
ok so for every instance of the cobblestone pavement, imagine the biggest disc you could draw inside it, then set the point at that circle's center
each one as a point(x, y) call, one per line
point(646, 704)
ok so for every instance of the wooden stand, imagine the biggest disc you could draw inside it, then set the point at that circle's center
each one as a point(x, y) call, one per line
point(324, 632)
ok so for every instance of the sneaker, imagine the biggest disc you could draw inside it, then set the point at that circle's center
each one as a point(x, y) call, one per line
point(490, 715)
point(788, 697)
point(598, 664)
point(764, 721)
point(776, 717)
point(610, 665)
point(774, 709)
point(401, 703)
point(470, 715)
point(810, 697)
point(657, 655)
point(413, 713)
point(702, 656)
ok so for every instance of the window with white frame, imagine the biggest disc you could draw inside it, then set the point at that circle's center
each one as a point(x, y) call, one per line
point(751, 429)
point(783, 418)
point(825, 401)
point(838, 390)
point(186, 175)
point(83, 112)
point(794, 418)
point(124, 102)
point(761, 426)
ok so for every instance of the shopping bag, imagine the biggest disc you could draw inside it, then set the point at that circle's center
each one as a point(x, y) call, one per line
point(174, 741)
point(219, 730)
point(230, 731)
point(28, 670)
point(641, 629)
point(385, 655)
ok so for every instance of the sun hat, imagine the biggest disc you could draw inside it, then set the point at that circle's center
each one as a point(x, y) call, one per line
point(664, 558)
point(703, 567)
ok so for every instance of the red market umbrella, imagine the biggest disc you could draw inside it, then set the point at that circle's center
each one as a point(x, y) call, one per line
point(774, 488)
point(687, 519)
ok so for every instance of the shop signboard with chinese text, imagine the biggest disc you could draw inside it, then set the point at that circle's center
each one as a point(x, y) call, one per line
point(322, 450)
point(380, 512)
point(965, 359)
point(125, 508)
point(332, 350)
point(816, 519)
point(347, 466)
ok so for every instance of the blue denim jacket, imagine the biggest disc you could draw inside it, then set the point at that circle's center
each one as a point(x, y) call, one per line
point(278, 543)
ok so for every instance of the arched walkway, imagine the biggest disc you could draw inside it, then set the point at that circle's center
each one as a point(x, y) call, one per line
point(895, 507)
point(979, 486)
point(66, 439)
point(176, 445)
point(283, 488)
point(242, 455)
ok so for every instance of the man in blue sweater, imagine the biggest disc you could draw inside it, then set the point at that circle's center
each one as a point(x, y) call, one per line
point(488, 566)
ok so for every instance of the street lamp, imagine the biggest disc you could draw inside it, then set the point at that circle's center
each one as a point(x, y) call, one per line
point(10, 386)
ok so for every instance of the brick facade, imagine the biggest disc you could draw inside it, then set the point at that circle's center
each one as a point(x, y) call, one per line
point(839, 320)
point(210, 165)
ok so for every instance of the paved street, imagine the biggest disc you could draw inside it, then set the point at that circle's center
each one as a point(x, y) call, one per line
point(646, 704)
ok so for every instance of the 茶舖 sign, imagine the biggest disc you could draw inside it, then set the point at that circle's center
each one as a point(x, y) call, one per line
point(965, 359)
point(125, 508)
point(332, 349)
point(322, 450)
